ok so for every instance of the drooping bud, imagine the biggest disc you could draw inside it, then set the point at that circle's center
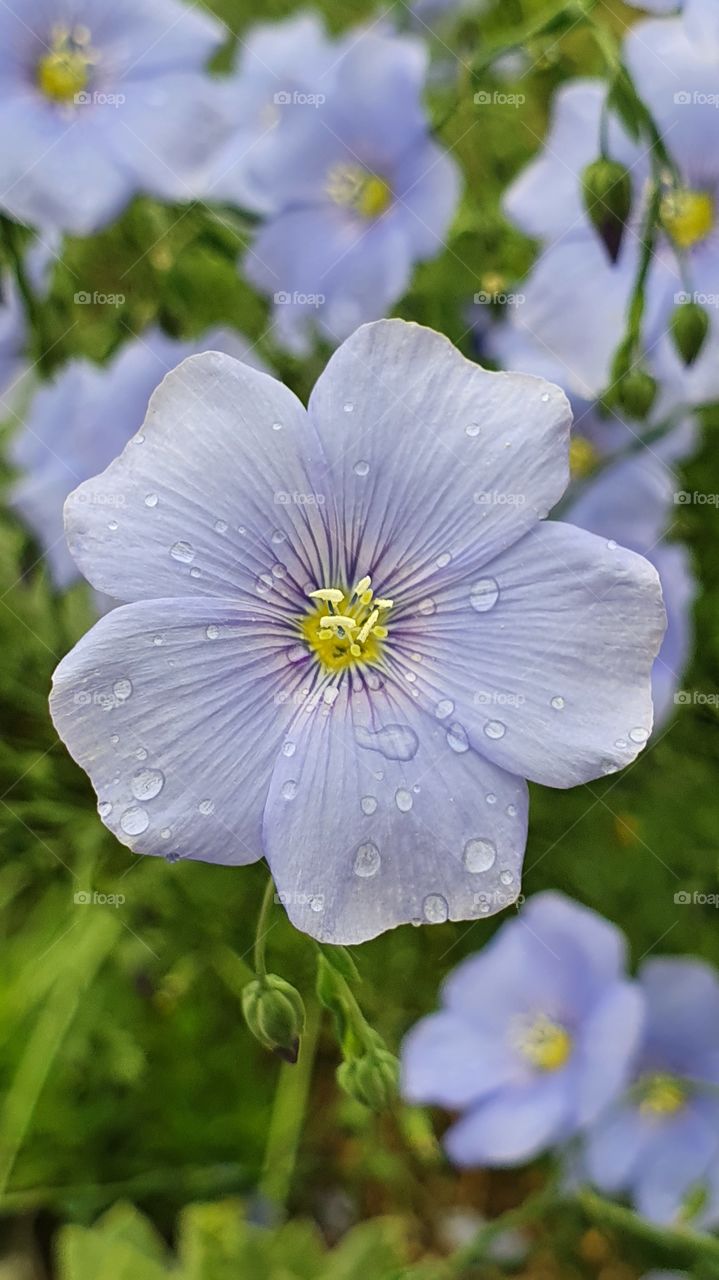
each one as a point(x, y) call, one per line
point(275, 1014)
point(636, 393)
point(689, 326)
point(607, 193)
point(372, 1078)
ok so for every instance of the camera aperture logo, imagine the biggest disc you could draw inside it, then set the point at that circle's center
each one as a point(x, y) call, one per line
point(695, 898)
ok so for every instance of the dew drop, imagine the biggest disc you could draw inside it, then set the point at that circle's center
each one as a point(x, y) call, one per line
point(288, 749)
point(368, 804)
point(147, 783)
point(506, 877)
point(373, 681)
point(621, 743)
point(276, 426)
point(184, 552)
point(348, 406)
point(134, 821)
point(479, 855)
point(444, 708)
point(289, 789)
point(151, 499)
point(403, 800)
point(104, 808)
point(472, 429)
point(212, 632)
point(206, 806)
point(141, 754)
point(278, 536)
point(367, 861)
point(114, 739)
point(279, 570)
point(263, 584)
point(361, 468)
point(443, 560)
point(316, 905)
point(122, 690)
point(112, 525)
point(195, 573)
point(558, 702)
point(426, 607)
point(495, 729)
point(457, 738)
point(296, 653)
point(158, 640)
point(393, 741)
point(612, 544)
point(639, 735)
point(221, 526)
point(491, 798)
point(435, 908)
point(165, 833)
point(545, 397)
point(512, 810)
point(484, 595)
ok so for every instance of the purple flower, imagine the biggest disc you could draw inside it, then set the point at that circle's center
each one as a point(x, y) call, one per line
point(535, 1037)
point(351, 635)
point(100, 101)
point(658, 1141)
point(576, 297)
point(77, 424)
point(358, 189)
point(12, 342)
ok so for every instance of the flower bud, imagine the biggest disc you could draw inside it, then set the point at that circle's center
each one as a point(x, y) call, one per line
point(689, 326)
point(636, 393)
point(607, 192)
point(275, 1014)
point(372, 1079)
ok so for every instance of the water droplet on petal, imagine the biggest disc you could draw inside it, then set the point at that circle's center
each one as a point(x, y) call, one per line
point(484, 595)
point(276, 426)
point(212, 631)
point(278, 536)
point(104, 808)
point(296, 653)
point(263, 584)
point(495, 729)
point(195, 573)
point(184, 552)
point(491, 798)
point(114, 739)
point(621, 743)
point(426, 606)
point(289, 789)
point(348, 406)
point(368, 804)
point(151, 499)
point(403, 800)
point(279, 570)
point(141, 754)
point(558, 702)
point(165, 833)
point(444, 708)
point(288, 748)
point(122, 690)
point(147, 783)
point(612, 544)
point(393, 741)
point(443, 560)
point(545, 397)
point(361, 468)
point(367, 861)
point(472, 429)
point(479, 855)
point(457, 737)
point(134, 821)
point(506, 877)
point(112, 525)
point(639, 735)
point(206, 806)
point(435, 908)
point(157, 640)
point(373, 681)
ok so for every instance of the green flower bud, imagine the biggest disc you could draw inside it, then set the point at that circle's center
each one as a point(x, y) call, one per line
point(689, 326)
point(607, 192)
point(372, 1079)
point(275, 1014)
point(636, 393)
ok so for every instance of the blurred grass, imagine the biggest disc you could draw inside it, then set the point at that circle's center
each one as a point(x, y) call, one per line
point(124, 1064)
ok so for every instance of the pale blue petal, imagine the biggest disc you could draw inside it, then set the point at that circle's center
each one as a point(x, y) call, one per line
point(607, 1049)
point(683, 999)
point(176, 710)
point(616, 1147)
point(373, 820)
point(448, 1061)
point(514, 1126)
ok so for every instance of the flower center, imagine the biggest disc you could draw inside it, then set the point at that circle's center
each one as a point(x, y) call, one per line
point(346, 628)
point(356, 188)
point(544, 1043)
point(661, 1095)
point(65, 70)
point(583, 457)
point(687, 216)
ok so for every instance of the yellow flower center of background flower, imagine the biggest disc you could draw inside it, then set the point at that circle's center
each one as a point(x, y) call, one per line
point(687, 216)
point(346, 628)
point(661, 1095)
point(546, 1044)
point(65, 70)
point(583, 457)
point(357, 189)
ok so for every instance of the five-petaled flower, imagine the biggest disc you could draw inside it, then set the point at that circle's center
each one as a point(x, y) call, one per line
point(350, 635)
point(536, 1036)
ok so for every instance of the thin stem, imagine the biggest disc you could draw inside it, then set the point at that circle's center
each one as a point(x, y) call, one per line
point(288, 1115)
point(687, 1246)
point(262, 929)
point(33, 310)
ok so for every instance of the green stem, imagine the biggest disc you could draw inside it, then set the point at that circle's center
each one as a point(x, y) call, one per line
point(33, 311)
point(262, 929)
point(185, 1182)
point(686, 1246)
point(288, 1115)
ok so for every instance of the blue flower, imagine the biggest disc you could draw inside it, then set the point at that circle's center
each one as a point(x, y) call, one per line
point(77, 424)
point(576, 297)
point(358, 189)
point(351, 635)
point(659, 1140)
point(101, 101)
point(12, 343)
point(535, 1037)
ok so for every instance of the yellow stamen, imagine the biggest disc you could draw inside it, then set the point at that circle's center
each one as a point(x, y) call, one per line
point(337, 639)
point(367, 627)
point(687, 216)
point(547, 1045)
point(64, 72)
point(384, 604)
point(362, 586)
point(339, 620)
point(329, 594)
point(662, 1095)
point(356, 188)
point(583, 457)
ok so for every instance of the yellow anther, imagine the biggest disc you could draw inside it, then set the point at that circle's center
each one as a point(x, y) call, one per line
point(381, 633)
point(330, 594)
point(64, 71)
point(545, 1044)
point(325, 634)
point(362, 585)
point(368, 626)
point(355, 651)
point(384, 604)
point(339, 620)
point(366, 597)
point(662, 1095)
